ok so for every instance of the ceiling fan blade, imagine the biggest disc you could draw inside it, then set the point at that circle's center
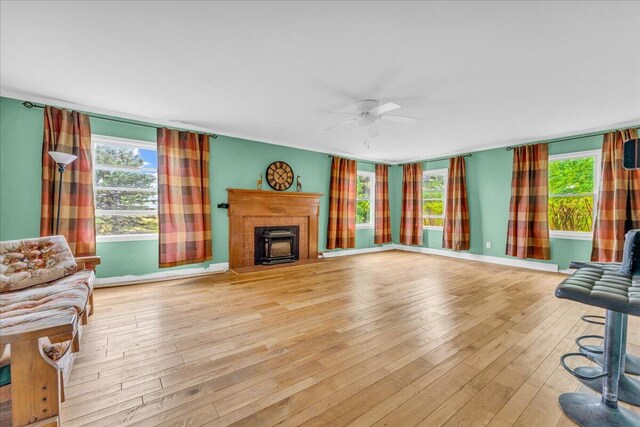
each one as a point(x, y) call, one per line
point(346, 122)
point(400, 119)
point(373, 131)
point(381, 109)
point(340, 113)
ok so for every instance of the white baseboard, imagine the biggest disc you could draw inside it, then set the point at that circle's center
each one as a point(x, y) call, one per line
point(217, 268)
point(347, 252)
point(512, 262)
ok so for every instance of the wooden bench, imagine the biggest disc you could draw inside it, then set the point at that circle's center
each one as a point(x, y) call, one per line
point(38, 378)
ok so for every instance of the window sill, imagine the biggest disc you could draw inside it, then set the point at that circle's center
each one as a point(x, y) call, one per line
point(126, 238)
point(570, 235)
point(364, 226)
point(433, 227)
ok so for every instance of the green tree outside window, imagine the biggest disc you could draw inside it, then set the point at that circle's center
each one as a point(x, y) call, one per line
point(572, 190)
point(126, 196)
point(433, 197)
point(364, 198)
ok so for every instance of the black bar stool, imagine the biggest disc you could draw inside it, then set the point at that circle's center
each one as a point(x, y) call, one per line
point(631, 362)
point(619, 294)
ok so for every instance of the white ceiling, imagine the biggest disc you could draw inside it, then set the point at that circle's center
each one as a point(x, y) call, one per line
point(480, 74)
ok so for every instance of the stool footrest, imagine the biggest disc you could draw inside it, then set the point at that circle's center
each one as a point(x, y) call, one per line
point(577, 375)
point(591, 318)
point(592, 349)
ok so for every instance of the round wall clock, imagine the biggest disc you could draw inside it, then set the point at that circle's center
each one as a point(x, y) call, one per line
point(279, 175)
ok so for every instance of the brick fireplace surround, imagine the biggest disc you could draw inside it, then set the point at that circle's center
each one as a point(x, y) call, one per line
point(257, 208)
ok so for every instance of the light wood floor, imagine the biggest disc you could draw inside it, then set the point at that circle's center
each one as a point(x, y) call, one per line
point(391, 338)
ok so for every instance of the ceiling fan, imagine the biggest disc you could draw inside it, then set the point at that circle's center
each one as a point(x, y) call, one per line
point(368, 113)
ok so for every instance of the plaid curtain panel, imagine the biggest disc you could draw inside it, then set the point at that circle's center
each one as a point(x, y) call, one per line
point(528, 231)
point(68, 132)
point(456, 233)
point(184, 206)
point(382, 233)
point(618, 200)
point(411, 221)
point(341, 230)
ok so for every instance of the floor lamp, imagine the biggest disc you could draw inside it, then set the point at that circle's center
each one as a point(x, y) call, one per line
point(62, 160)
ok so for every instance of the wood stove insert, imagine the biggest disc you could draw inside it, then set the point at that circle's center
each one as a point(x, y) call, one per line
point(276, 245)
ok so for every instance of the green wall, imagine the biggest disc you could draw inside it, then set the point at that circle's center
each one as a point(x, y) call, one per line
point(235, 163)
point(489, 191)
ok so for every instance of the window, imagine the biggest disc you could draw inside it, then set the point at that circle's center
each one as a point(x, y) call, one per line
point(573, 194)
point(365, 193)
point(434, 197)
point(125, 181)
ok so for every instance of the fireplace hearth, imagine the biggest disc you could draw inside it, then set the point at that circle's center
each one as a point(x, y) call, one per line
point(276, 245)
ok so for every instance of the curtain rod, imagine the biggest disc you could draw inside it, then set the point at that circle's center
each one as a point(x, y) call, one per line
point(437, 159)
point(331, 156)
point(570, 138)
point(30, 105)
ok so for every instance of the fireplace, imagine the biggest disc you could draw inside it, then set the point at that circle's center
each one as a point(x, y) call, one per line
point(249, 209)
point(276, 245)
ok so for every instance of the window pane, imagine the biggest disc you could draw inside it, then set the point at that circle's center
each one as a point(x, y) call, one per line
point(126, 200)
point(433, 207)
point(433, 222)
point(433, 182)
point(126, 224)
point(363, 189)
point(126, 179)
point(572, 176)
point(433, 195)
point(363, 212)
point(571, 213)
point(117, 155)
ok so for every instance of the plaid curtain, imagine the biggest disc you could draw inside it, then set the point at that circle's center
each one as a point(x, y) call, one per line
point(619, 199)
point(69, 132)
point(411, 221)
point(382, 232)
point(528, 232)
point(456, 216)
point(183, 190)
point(341, 230)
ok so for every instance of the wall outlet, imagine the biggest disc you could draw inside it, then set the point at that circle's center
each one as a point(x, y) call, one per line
point(488, 245)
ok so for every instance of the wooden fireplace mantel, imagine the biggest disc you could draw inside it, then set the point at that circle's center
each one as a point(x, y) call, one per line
point(247, 207)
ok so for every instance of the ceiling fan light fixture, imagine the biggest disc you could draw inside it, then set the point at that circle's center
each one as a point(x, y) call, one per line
point(366, 120)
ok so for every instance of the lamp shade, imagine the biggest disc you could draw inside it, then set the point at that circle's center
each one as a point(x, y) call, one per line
point(62, 159)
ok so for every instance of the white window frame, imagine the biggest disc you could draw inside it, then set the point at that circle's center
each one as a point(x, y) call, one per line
point(580, 235)
point(445, 172)
point(372, 200)
point(133, 143)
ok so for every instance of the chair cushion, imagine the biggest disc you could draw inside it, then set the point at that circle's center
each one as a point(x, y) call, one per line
point(67, 292)
point(606, 289)
point(29, 262)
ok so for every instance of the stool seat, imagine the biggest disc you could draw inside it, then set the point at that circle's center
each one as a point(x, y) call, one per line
point(607, 266)
point(603, 288)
